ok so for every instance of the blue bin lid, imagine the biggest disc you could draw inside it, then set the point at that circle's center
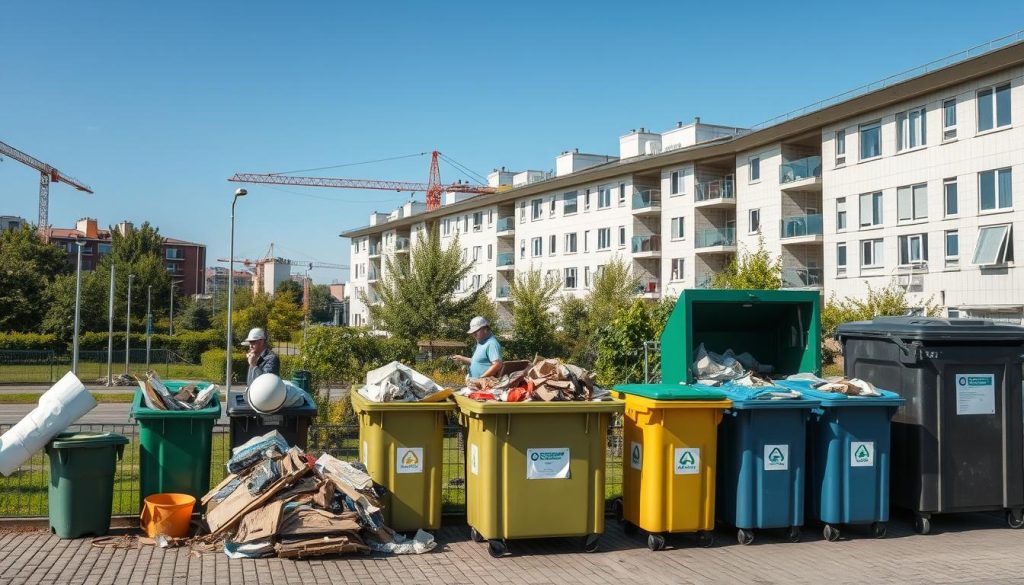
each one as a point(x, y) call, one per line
point(745, 397)
point(671, 391)
point(833, 399)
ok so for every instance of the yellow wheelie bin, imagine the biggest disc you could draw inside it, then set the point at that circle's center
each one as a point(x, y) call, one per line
point(670, 441)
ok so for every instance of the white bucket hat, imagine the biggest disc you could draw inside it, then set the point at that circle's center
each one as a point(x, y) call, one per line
point(476, 324)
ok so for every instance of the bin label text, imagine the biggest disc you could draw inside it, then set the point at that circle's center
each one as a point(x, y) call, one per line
point(975, 394)
point(636, 455)
point(862, 454)
point(474, 460)
point(776, 457)
point(410, 459)
point(687, 461)
point(547, 463)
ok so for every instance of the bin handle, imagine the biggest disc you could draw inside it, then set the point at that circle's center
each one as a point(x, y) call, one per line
point(586, 428)
point(508, 424)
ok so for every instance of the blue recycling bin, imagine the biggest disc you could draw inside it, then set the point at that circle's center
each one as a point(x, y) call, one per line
point(761, 462)
point(848, 439)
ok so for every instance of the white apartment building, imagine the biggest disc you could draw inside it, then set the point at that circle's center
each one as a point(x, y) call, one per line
point(920, 183)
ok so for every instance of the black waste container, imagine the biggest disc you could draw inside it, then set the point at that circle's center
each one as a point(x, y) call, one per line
point(292, 422)
point(958, 442)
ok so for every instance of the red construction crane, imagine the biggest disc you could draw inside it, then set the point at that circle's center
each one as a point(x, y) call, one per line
point(433, 187)
point(46, 174)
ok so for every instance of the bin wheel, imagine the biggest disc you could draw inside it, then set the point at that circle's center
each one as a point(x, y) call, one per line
point(744, 536)
point(497, 548)
point(476, 536)
point(591, 542)
point(793, 534)
point(831, 533)
point(879, 529)
point(1015, 519)
point(655, 542)
point(705, 539)
point(922, 525)
point(628, 528)
point(618, 511)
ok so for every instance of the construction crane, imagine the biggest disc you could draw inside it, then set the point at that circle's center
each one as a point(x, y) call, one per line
point(433, 187)
point(47, 174)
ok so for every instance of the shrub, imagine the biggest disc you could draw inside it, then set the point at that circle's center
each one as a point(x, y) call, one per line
point(213, 363)
point(30, 341)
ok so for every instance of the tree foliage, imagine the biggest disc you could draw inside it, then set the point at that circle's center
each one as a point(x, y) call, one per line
point(191, 315)
point(620, 356)
point(320, 303)
point(751, 270)
point(615, 286)
point(533, 324)
point(292, 289)
point(28, 267)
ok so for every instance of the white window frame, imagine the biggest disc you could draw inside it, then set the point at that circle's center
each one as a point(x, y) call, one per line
point(992, 91)
point(477, 250)
point(622, 194)
point(490, 251)
point(877, 124)
point(840, 140)
point(536, 209)
point(754, 166)
point(607, 237)
point(570, 278)
point(677, 227)
point(949, 130)
point(675, 183)
point(552, 205)
point(522, 248)
point(604, 197)
point(946, 184)
point(478, 225)
point(997, 194)
point(678, 269)
point(911, 129)
point(841, 267)
point(622, 236)
point(586, 201)
point(552, 245)
point(1003, 234)
point(751, 214)
point(905, 244)
point(586, 277)
point(842, 215)
point(570, 243)
point(876, 252)
point(914, 196)
point(522, 212)
point(537, 247)
point(875, 221)
point(951, 259)
point(570, 196)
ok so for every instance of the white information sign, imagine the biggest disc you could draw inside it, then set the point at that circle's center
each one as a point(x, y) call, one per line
point(547, 463)
point(410, 459)
point(975, 394)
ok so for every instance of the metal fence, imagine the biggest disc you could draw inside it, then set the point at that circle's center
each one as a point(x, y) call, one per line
point(46, 367)
point(24, 493)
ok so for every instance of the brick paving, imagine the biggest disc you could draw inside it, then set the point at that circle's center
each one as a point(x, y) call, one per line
point(974, 548)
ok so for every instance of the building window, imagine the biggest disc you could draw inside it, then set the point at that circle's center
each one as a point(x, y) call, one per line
point(870, 140)
point(622, 236)
point(171, 267)
point(841, 214)
point(622, 194)
point(586, 277)
point(950, 202)
point(522, 250)
point(678, 264)
point(569, 203)
point(476, 281)
point(676, 183)
point(871, 253)
point(949, 119)
point(586, 201)
point(537, 207)
point(522, 213)
point(841, 258)
point(570, 243)
point(913, 249)
point(604, 238)
point(678, 228)
point(476, 253)
point(570, 278)
point(952, 248)
point(994, 246)
point(538, 247)
point(993, 107)
point(604, 197)
point(910, 129)
point(551, 206)
point(172, 253)
point(871, 209)
point(912, 202)
point(552, 241)
point(755, 169)
point(754, 220)
point(586, 240)
point(994, 190)
point(465, 223)
point(490, 251)
point(104, 249)
point(490, 216)
point(840, 147)
point(478, 221)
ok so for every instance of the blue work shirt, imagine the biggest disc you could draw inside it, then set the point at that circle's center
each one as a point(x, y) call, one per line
point(486, 353)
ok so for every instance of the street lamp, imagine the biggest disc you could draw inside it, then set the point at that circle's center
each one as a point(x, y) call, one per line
point(110, 328)
point(149, 322)
point(78, 306)
point(231, 286)
point(128, 327)
point(170, 326)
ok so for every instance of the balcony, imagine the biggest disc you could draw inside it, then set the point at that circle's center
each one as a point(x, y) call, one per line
point(802, 277)
point(372, 276)
point(646, 202)
point(716, 240)
point(704, 281)
point(649, 289)
point(402, 245)
point(715, 193)
point(646, 246)
point(801, 229)
point(506, 227)
point(507, 261)
point(503, 293)
point(374, 250)
point(802, 174)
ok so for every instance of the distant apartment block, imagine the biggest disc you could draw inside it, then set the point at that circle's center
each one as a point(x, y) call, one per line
point(11, 222)
point(217, 280)
point(918, 183)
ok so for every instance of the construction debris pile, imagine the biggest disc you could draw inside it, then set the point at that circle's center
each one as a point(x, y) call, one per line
point(545, 380)
point(397, 382)
point(278, 501)
point(189, 397)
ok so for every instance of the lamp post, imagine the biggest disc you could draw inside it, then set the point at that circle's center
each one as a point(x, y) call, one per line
point(78, 306)
point(149, 322)
point(231, 287)
point(128, 327)
point(110, 329)
point(170, 326)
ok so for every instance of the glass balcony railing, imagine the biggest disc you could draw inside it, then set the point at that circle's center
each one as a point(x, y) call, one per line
point(372, 275)
point(374, 249)
point(646, 244)
point(402, 244)
point(503, 292)
point(506, 224)
point(801, 277)
point(646, 199)
point(704, 281)
point(800, 169)
point(796, 226)
point(506, 259)
point(709, 237)
point(711, 190)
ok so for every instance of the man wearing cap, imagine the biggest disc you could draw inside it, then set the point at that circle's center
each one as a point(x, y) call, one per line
point(261, 359)
point(486, 360)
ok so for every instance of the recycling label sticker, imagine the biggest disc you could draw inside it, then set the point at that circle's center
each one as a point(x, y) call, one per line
point(776, 457)
point(862, 454)
point(474, 460)
point(975, 394)
point(410, 459)
point(687, 461)
point(547, 463)
point(636, 455)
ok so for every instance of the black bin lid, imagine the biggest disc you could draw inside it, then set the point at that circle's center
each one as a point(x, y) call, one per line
point(932, 329)
point(239, 406)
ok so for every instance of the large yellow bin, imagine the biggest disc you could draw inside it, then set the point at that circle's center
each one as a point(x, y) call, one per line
point(402, 446)
point(535, 470)
point(670, 444)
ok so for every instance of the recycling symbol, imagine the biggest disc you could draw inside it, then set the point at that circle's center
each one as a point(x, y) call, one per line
point(636, 454)
point(686, 460)
point(862, 453)
point(410, 459)
point(776, 456)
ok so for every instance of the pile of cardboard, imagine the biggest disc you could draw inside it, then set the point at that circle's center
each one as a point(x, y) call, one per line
point(278, 501)
point(157, 396)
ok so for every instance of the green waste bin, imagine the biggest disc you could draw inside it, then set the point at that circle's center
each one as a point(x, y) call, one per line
point(175, 446)
point(303, 379)
point(81, 493)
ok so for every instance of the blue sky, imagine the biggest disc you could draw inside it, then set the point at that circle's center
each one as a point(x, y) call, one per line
point(156, 104)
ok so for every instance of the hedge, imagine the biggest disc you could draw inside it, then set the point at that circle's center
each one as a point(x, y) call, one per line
point(213, 364)
point(30, 341)
point(189, 345)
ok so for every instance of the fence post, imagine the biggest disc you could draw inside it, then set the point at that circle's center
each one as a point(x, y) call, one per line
point(51, 367)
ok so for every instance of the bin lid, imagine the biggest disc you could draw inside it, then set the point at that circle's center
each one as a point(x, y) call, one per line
point(86, 440)
point(744, 398)
point(362, 404)
point(932, 329)
point(672, 391)
point(834, 399)
point(469, 406)
point(141, 412)
point(238, 405)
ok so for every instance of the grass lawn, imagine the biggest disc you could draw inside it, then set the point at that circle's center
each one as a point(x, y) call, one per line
point(90, 372)
point(33, 397)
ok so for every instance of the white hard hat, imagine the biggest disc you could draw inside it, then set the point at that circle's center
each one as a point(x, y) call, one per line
point(255, 334)
point(267, 393)
point(476, 324)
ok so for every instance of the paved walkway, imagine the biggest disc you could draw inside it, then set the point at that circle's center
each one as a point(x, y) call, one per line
point(963, 549)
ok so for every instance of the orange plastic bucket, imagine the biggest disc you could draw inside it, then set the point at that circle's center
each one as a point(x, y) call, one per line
point(168, 514)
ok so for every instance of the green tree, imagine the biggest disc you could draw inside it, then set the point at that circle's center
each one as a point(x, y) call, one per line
point(292, 289)
point(191, 315)
point(60, 300)
point(751, 270)
point(28, 266)
point(620, 356)
point(418, 298)
point(137, 251)
point(575, 331)
point(615, 286)
point(285, 318)
point(320, 303)
point(533, 324)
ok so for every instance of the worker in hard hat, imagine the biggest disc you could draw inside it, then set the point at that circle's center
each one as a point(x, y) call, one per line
point(486, 360)
point(261, 359)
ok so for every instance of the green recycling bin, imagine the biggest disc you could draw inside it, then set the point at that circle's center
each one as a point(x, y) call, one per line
point(175, 446)
point(303, 379)
point(81, 494)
